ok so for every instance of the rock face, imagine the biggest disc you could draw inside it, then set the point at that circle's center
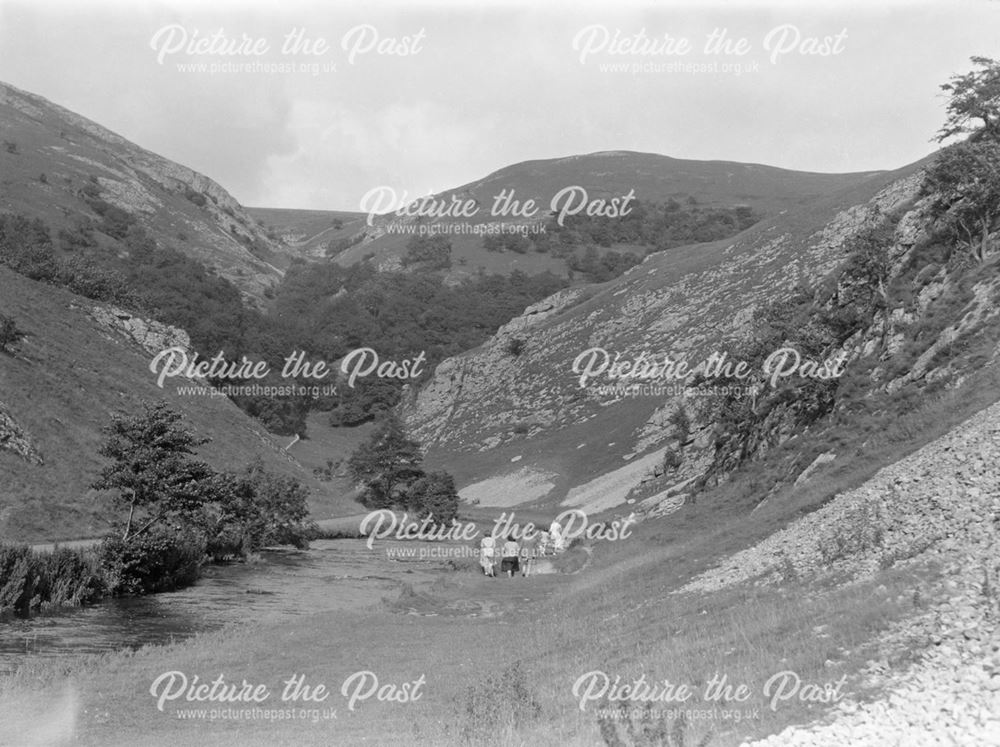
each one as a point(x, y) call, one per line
point(462, 380)
point(13, 438)
point(151, 336)
point(685, 303)
point(817, 463)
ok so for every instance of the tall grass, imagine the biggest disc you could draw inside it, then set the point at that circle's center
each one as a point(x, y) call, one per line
point(33, 581)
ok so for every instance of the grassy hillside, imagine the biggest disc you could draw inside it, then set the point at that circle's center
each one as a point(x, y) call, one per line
point(653, 178)
point(60, 385)
point(309, 233)
point(49, 155)
point(488, 412)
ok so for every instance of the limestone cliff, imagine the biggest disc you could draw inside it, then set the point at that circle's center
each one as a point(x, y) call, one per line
point(684, 303)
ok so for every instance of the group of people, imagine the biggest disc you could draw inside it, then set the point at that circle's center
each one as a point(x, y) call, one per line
point(518, 557)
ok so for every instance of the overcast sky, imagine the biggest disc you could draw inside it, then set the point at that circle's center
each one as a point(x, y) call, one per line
point(487, 85)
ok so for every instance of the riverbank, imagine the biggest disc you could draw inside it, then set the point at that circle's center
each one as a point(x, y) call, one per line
point(788, 647)
point(462, 633)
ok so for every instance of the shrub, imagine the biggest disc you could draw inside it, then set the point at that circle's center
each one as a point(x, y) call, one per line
point(516, 346)
point(682, 423)
point(18, 578)
point(435, 494)
point(80, 236)
point(30, 580)
point(26, 247)
point(257, 508)
point(429, 252)
point(195, 197)
point(162, 559)
point(70, 578)
point(11, 147)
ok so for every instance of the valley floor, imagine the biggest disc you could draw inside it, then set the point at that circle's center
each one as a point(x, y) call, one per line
point(872, 621)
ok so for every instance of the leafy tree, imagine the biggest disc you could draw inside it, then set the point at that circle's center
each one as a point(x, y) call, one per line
point(964, 183)
point(681, 422)
point(974, 96)
point(430, 252)
point(386, 465)
point(256, 508)
point(152, 469)
point(434, 494)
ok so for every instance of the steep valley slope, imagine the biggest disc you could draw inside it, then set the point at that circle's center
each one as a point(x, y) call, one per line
point(516, 419)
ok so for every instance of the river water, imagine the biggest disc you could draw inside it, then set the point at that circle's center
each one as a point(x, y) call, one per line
point(330, 575)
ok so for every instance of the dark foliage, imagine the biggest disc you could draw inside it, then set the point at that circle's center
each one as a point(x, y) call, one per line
point(163, 559)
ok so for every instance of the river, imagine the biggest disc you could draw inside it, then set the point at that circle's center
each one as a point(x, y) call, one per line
point(330, 575)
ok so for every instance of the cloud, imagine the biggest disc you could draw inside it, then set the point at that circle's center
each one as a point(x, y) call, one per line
point(342, 152)
point(494, 85)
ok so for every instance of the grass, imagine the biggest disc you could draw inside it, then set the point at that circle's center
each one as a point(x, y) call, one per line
point(618, 615)
point(508, 680)
point(66, 379)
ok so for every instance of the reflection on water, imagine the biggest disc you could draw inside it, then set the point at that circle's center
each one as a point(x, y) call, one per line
point(331, 575)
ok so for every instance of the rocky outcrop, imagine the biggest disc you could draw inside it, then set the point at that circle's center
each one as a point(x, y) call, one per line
point(151, 336)
point(15, 439)
point(818, 462)
point(433, 410)
point(685, 304)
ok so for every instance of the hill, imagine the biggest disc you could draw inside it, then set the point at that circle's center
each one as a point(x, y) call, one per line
point(312, 234)
point(56, 164)
point(78, 363)
point(651, 178)
point(521, 426)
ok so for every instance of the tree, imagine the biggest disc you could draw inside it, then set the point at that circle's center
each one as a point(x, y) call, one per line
point(386, 465)
point(434, 494)
point(430, 252)
point(256, 508)
point(152, 469)
point(965, 184)
point(973, 96)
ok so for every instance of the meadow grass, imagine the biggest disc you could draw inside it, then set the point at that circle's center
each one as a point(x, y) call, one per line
point(507, 679)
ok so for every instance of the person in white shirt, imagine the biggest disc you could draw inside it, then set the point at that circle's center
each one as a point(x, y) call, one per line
point(487, 555)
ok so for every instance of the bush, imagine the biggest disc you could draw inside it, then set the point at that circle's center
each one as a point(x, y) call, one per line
point(26, 248)
point(434, 494)
point(429, 252)
point(254, 509)
point(30, 581)
point(80, 236)
point(18, 579)
point(682, 424)
point(70, 578)
point(516, 346)
point(195, 197)
point(162, 559)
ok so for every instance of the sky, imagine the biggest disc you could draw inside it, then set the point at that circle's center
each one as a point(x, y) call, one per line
point(423, 97)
